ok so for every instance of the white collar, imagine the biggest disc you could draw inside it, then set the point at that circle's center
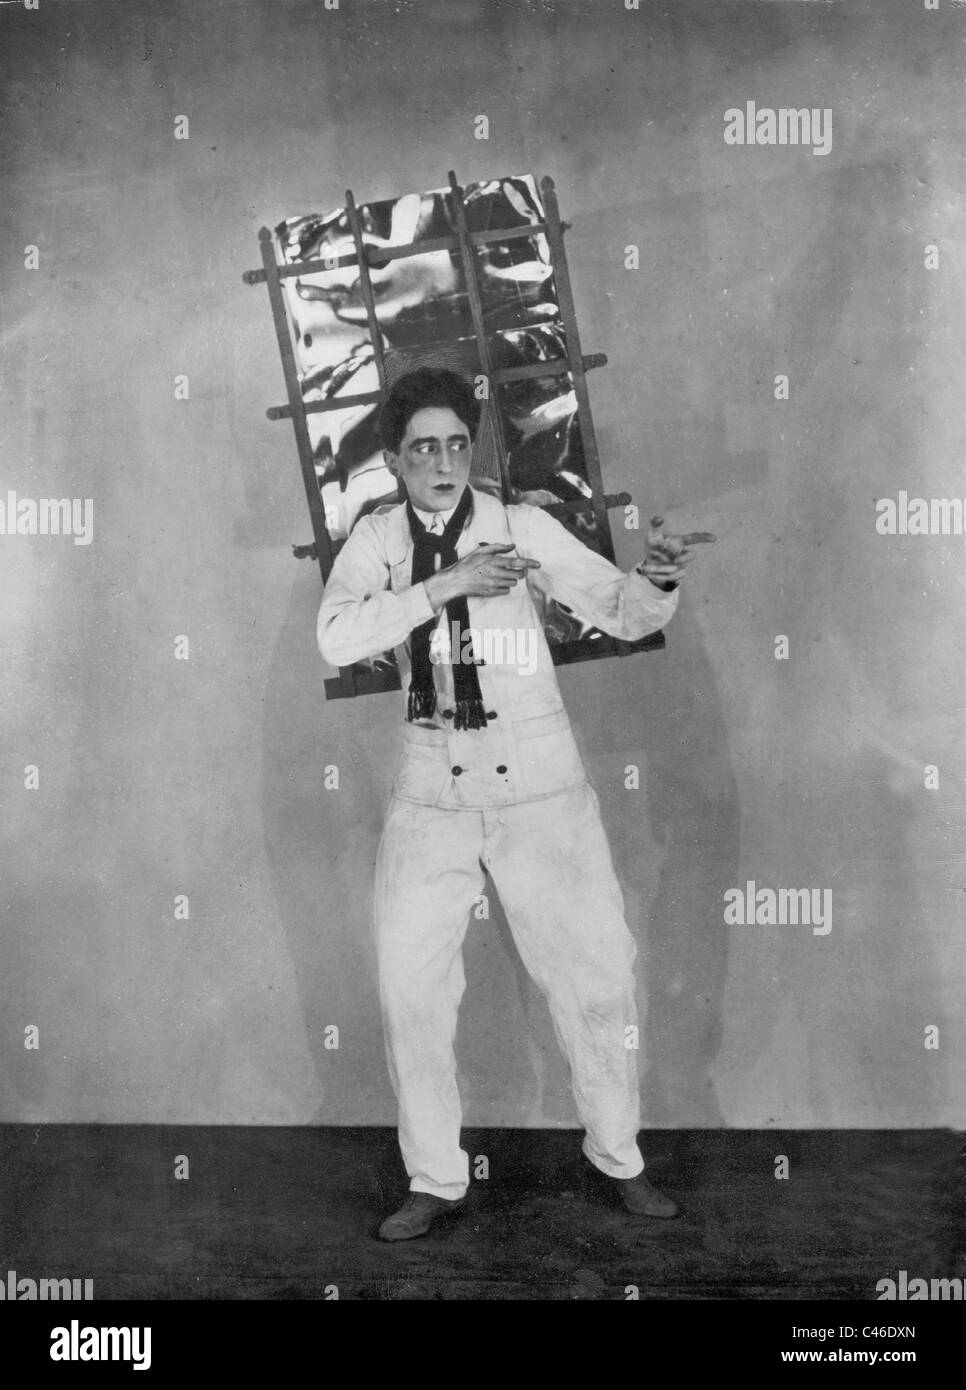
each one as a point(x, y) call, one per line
point(427, 517)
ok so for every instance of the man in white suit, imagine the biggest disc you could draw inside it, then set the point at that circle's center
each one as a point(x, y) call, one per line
point(490, 778)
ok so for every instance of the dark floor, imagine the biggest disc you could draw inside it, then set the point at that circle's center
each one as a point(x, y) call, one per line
point(283, 1213)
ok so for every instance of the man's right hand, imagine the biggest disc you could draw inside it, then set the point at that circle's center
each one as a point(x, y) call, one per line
point(485, 572)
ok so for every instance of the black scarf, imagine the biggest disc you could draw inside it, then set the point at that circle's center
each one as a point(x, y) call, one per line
point(469, 712)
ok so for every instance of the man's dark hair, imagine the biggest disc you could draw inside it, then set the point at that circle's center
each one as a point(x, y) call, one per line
point(425, 388)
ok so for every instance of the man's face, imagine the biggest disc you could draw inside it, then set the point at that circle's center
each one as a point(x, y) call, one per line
point(433, 459)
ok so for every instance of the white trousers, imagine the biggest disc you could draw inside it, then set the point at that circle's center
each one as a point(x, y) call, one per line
point(551, 865)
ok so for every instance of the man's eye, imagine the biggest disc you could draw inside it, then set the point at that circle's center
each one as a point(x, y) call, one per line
point(426, 449)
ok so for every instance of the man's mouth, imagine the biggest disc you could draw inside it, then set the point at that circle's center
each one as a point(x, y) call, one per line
point(442, 487)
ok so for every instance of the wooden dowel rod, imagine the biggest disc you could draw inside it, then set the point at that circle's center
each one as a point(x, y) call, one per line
point(479, 327)
point(302, 440)
point(284, 412)
point(568, 313)
point(365, 286)
point(382, 255)
point(557, 366)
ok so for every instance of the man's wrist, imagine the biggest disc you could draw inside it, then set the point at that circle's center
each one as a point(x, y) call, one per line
point(438, 590)
point(665, 586)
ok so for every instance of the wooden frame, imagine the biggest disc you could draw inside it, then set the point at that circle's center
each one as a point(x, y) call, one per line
point(353, 682)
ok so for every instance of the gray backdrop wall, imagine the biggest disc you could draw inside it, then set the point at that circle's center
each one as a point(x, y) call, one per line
point(161, 777)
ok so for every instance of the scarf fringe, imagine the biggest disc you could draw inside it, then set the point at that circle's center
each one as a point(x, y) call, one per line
point(422, 703)
point(470, 714)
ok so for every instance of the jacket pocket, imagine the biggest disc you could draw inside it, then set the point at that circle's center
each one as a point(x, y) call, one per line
point(548, 759)
point(422, 773)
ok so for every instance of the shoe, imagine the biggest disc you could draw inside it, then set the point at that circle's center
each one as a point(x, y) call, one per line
point(643, 1199)
point(414, 1218)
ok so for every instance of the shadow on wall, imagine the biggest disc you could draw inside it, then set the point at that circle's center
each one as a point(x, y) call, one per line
point(677, 734)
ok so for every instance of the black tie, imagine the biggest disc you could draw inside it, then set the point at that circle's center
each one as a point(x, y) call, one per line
point(469, 712)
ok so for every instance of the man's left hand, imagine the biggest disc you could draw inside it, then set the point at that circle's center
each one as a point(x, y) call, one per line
point(667, 555)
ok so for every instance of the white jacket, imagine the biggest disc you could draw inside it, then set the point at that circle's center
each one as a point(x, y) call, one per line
point(528, 751)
